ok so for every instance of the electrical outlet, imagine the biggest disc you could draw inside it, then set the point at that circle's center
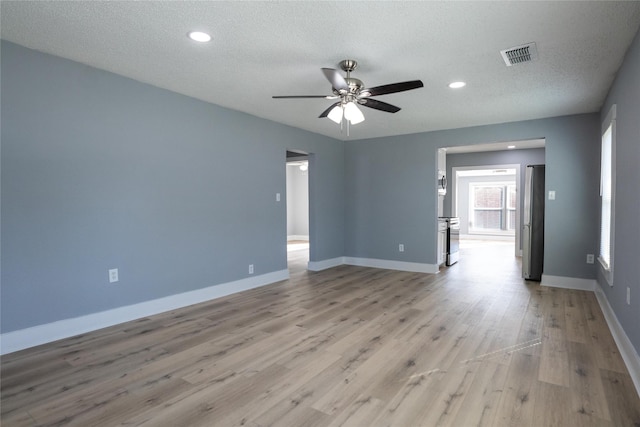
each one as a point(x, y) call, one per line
point(590, 258)
point(628, 295)
point(113, 275)
point(401, 247)
point(277, 197)
point(250, 268)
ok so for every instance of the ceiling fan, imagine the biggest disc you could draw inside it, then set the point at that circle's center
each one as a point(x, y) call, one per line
point(350, 92)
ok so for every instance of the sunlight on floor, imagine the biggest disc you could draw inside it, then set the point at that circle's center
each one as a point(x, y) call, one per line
point(297, 245)
point(474, 243)
point(483, 259)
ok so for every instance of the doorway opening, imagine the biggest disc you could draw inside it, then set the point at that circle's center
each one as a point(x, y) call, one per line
point(297, 186)
point(485, 198)
point(480, 190)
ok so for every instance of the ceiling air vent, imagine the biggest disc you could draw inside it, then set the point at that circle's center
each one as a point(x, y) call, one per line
point(520, 54)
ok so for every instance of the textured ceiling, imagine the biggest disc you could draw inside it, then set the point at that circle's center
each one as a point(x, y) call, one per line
point(260, 49)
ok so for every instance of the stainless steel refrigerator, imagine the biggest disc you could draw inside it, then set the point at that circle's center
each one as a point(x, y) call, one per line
point(533, 229)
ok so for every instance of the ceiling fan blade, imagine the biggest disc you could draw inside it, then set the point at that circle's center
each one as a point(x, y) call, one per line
point(394, 87)
point(378, 105)
point(335, 78)
point(306, 96)
point(325, 113)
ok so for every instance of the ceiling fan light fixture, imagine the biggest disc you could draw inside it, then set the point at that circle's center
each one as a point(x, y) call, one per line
point(353, 113)
point(336, 114)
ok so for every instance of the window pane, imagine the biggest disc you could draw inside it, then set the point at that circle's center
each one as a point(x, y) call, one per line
point(487, 197)
point(487, 220)
point(511, 225)
point(512, 199)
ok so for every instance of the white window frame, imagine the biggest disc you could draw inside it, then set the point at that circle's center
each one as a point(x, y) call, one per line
point(609, 124)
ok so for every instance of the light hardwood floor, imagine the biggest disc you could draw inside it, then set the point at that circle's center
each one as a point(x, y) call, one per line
point(472, 346)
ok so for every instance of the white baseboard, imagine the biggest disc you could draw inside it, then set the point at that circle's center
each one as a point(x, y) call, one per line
point(568, 283)
point(325, 264)
point(41, 334)
point(415, 267)
point(298, 237)
point(627, 350)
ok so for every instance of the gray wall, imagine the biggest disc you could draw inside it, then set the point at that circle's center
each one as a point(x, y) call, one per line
point(390, 183)
point(625, 93)
point(297, 201)
point(535, 156)
point(100, 171)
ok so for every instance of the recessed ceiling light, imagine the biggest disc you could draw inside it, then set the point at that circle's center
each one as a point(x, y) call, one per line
point(511, 147)
point(457, 85)
point(199, 36)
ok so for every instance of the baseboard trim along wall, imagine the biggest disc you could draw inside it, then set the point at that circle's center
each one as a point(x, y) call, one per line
point(626, 348)
point(568, 283)
point(42, 334)
point(325, 264)
point(627, 351)
point(298, 237)
point(414, 267)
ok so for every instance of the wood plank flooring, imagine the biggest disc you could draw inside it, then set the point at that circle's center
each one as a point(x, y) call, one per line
point(474, 345)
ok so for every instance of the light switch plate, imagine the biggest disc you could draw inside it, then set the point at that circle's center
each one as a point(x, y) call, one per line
point(552, 195)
